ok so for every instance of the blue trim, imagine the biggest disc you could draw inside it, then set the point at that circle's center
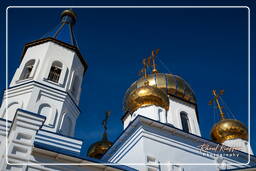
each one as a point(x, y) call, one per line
point(5, 120)
point(60, 135)
point(55, 149)
point(32, 113)
point(38, 138)
point(48, 87)
point(38, 134)
point(73, 154)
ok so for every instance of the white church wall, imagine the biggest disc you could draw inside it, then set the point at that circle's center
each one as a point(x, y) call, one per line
point(173, 115)
point(76, 79)
point(14, 98)
point(153, 112)
point(130, 152)
point(21, 138)
point(168, 146)
point(43, 100)
point(126, 120)
point(38, 54)
point(65, 56)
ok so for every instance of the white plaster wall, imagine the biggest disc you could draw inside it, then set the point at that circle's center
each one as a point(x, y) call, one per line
point(76, 70)
point(173, 115)
point(13, 99)
point(153, 112)
point(167, 148)
point(169, 151)
point(45, 54)
point(36, 52)
point(32, 98)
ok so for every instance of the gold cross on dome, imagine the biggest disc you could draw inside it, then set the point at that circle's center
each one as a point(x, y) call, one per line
point(153, 58)
point(104, 122)
point(216, 99)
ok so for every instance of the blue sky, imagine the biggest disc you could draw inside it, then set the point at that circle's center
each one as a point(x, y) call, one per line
point(206, 47)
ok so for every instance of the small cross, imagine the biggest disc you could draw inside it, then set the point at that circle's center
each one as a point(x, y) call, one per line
point(216, 98)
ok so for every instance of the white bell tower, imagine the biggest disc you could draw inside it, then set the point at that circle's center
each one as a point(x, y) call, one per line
point(48, 79)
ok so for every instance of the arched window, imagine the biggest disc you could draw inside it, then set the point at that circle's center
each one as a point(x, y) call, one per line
point(75, 86)
point(27, 69)
point(45, 110)
point(184, 121)
point(55, 71)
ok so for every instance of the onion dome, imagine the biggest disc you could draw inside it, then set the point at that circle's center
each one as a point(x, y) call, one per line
point(98, 149)
point(145, 96)
point(170, 84)
point(227, 129)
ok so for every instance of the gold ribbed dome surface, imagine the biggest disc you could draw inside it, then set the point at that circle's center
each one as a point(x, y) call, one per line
point(171, 84)
point(98, 149)
point(145, 96)
point(227, 129)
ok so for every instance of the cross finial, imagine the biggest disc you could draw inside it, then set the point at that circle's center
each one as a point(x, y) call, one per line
point(104, 124)
point(153, 58)
point(143, 71)
point(216, 98)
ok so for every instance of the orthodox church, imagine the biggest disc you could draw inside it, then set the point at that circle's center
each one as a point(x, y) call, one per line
point(161, 130)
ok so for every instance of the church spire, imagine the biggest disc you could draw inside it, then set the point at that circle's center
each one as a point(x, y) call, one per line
point(65, 29)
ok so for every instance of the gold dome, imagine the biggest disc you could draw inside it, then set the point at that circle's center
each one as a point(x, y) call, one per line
point(98, 149)
point(227, 129)
point(171, 84)
point(145, 96)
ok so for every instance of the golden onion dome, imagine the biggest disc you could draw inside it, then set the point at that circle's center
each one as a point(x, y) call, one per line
point(98, 149)
point(170, 84)
point(227, 129)
point(145, 96)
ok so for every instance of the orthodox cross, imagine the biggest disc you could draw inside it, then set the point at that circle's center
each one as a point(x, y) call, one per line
point(143, 71)
point(104, 124)
point(216, 99)
point(153, 58)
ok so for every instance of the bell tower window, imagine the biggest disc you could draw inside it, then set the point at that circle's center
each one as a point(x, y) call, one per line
point(184, 121)
point(55, 71)
point(27, 69)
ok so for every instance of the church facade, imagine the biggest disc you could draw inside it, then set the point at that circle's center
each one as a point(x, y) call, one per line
point(161, 128)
